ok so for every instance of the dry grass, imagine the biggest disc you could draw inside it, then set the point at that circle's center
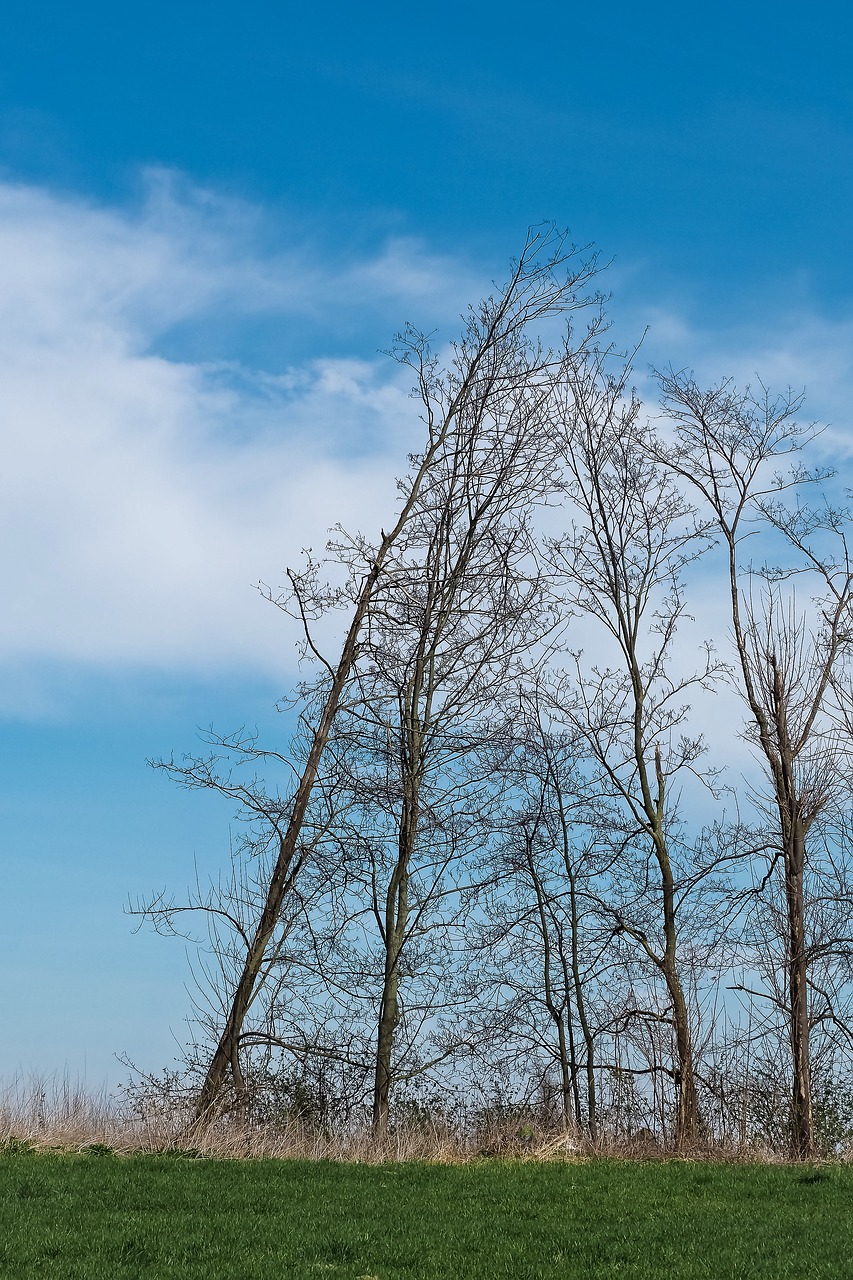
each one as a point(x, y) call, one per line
point(59, 1115)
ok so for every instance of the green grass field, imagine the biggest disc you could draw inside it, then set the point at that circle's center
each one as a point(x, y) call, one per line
point(104, 1216)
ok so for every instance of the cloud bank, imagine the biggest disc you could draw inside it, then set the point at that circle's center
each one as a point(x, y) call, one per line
point(143, 493)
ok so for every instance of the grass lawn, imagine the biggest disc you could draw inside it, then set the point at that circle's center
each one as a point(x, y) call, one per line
point(104, 1216)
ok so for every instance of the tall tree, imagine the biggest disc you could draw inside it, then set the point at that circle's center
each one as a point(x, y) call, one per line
point(622, 564)
point(461, 608)
point(492, 361)
point(790, 655)
point(453, 620)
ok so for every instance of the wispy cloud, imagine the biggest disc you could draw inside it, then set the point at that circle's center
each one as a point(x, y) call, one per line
point(796, 348)
point(141, 496)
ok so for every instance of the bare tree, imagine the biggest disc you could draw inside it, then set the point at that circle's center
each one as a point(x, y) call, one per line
point(453, 620)
point(475, 848)
point(546, 936)
point(229, 905)
point(621, 566)
point(790, 656)
point(492, 361)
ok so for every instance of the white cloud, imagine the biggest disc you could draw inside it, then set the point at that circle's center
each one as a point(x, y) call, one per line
point(141, 496)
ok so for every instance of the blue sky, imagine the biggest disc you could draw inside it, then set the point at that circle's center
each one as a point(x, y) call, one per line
point(212, 218)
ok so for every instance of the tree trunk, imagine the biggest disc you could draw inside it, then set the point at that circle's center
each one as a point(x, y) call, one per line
point(802, 1121)
point(580, 1002)
point(396, 922)
point(687, 1120)
point(687, 1105)
point(560, 1015)
point(288, 842)
point(570, 1028)
point(577, 985)
point(687, 1125)
point(389, 1016)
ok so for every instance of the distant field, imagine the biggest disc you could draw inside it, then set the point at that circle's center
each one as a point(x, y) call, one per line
point(98, 1215)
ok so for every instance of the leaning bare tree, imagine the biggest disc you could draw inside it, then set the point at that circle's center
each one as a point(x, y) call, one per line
point(790, 654)
point(494, 357)
point(460, 607)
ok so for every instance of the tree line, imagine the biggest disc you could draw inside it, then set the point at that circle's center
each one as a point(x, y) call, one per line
point(498, 860)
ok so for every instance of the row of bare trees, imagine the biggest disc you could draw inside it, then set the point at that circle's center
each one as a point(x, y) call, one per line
point(499, 856)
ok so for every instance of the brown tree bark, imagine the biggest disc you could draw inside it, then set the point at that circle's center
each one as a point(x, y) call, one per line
point(802, 1119)
point(394, 935)
point(687, 1118)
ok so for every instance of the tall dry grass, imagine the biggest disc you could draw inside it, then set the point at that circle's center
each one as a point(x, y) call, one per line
point(60, 1115)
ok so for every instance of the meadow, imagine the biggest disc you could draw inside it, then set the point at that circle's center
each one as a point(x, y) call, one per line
point(97, 1214)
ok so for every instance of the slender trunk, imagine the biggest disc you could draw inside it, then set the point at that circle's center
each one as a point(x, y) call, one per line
point(580, 1003)
point(570, 1029)
point(794, 829)
point(781, 754)
point(396, 919)
point(397, 912)
point(687, 1104)
point(687, 1120)
point(577, 985)
point(244, 991)
point(555, 1012)
point(802, 1122)
point(560, 1016)
point(389, 1016)
point(565, 1073)
point(687, 1127)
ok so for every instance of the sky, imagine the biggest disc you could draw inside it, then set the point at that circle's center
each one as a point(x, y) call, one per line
point(213, 219)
